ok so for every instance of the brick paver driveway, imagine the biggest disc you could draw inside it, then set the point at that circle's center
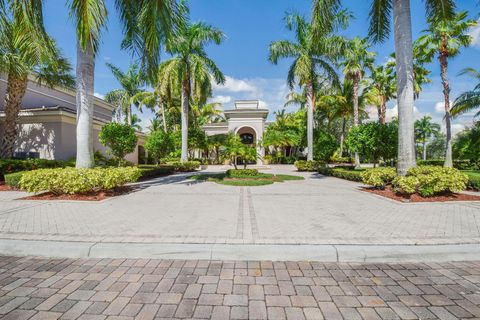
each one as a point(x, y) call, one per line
point(318, 210)
point(33, 288)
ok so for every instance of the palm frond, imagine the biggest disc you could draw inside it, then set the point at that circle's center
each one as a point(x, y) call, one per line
point(440, 9)
point(380, 15)
point(466, 102)
point(90, 18)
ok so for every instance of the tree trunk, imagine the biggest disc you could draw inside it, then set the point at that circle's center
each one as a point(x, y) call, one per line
point(446, 94)
point(424, 150)
point(383, 112)
point(129, 115)
point(405, 85)
point(185, 98)
point(164, 120)
point(16, 87)
point(84, 101)
point(355, 113)
point(217, 156)
point(342, 135)
point(311, 102)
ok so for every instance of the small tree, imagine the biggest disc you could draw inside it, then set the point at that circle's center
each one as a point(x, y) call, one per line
point(159, 144)
point(325, 145)
point(120, 139)
point(235, 150)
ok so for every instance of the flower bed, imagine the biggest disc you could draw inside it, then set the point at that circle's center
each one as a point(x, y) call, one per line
point(245, 178)
point(446, 197)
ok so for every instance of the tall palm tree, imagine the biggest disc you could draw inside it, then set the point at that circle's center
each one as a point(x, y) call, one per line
point(26, 49)
point(444, 38)
point(131, 82)
point(311, 57)
point(146, 25)
point(469, 100)
point(381, 88)
point(380, 18)
point(424, 130)
point(192, 69)
point(356, 59)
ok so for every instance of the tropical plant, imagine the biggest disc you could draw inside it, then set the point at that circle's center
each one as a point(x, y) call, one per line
point(120, 139)
point(325, 145)
point(467, 143)
point(146, 25)
point(312, 57)
point(26, 49)
point(159, 144)
point(444, 38)
point(191, 69)
point(381, 88)
point(323, 14)
point(425, 129)
point(356, 59)
point(470, 100)
point(131, 82)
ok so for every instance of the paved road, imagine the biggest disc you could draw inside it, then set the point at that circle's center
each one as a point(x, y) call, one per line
point(34, 288)
point(318, 210)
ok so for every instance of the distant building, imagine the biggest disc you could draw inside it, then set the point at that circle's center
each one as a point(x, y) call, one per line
point(247, 120)
point(47, 123)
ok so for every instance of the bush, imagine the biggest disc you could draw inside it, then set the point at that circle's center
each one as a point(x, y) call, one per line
point(159, 144)
point(379, 177)
point(342, 173)
point(13, 179)
point(152, 171)
point(15, 165)
point(242, 173)
point(119, 138)
point(431, 180)
point(186, 166)
point(458, 164)
point(308, 165)
point(325, 145)
point(335, 159)
point(473, 182)
point(71, 180)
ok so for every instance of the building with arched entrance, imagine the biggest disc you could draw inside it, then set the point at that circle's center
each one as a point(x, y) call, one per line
point(247, 120)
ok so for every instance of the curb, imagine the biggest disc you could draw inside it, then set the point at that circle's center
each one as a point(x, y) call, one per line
point(324, 253)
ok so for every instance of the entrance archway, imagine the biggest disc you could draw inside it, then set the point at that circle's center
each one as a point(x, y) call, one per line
point(248, 135)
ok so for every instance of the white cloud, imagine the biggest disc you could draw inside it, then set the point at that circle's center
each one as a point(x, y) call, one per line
point(221, 99)
point(440, 106)
point(456, 128)
point(390, 113)
point(99, 95)
point(235, 85)
point(262, 104)
point(475, 34)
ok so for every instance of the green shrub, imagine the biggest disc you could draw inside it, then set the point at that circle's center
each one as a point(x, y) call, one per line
point(120, 139)
point(473, 180)
point(159, 144)
point(342, 173)
point(336, 159)
point(431, 180)
point(13, 179)
point(458, 164)
point(308, 165)
point(71, 180)
point(186, 166)
point(152, 171)
point(242, 173)
point(379, 177)
point(15, 165)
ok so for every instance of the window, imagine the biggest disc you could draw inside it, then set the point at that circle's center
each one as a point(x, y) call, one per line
point(247, 138)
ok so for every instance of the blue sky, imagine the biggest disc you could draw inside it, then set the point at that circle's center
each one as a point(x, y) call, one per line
point(250, 25)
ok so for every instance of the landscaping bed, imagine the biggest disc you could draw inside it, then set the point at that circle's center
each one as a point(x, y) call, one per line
point(245, 177)
point(87, 196)
point(388, 192)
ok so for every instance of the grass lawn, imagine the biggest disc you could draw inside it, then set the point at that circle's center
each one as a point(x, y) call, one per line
point(260, 179)
point(474, 179)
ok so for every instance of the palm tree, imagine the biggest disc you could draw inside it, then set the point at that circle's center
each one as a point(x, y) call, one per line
point(445, 38)
point(26, 49)
point(131, 83)
point(146, 24)
point(380, 17)
point(424, 130)
point(295, 98)
point(154, 125)
point(192, 69)
point(311, 56)
point(356, 58)
point(381, 88)
point(469, 100)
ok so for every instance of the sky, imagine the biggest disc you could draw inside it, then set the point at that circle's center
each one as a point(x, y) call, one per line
point(250, 26)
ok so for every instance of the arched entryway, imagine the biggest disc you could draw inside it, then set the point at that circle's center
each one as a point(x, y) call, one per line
point(248, 135)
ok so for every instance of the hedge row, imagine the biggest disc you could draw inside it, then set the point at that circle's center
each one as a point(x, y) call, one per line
point(457, 164)
point(342, 173)
point(308, 165)
point(16, 165)
point(152, 171)
point(241, 173)
point(186, 166)
point(473, 180)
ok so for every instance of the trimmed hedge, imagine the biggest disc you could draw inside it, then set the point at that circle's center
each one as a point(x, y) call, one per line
point(186, 166)
point(458, 164)
point(241, 173)
point(379, 177)
point(431, 180)
point(473, 180)
point(73, 181)
point(308, 165)
point(152, 171)
point(347, 174)
point(15, 165)
point(13, 179)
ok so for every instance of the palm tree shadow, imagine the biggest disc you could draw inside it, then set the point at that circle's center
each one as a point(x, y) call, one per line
point(178, 179)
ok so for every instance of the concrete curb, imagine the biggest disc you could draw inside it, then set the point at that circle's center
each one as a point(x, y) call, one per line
point(325, 253)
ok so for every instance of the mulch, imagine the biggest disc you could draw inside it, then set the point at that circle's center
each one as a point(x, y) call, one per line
point(89, 196)
point(391, 194)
